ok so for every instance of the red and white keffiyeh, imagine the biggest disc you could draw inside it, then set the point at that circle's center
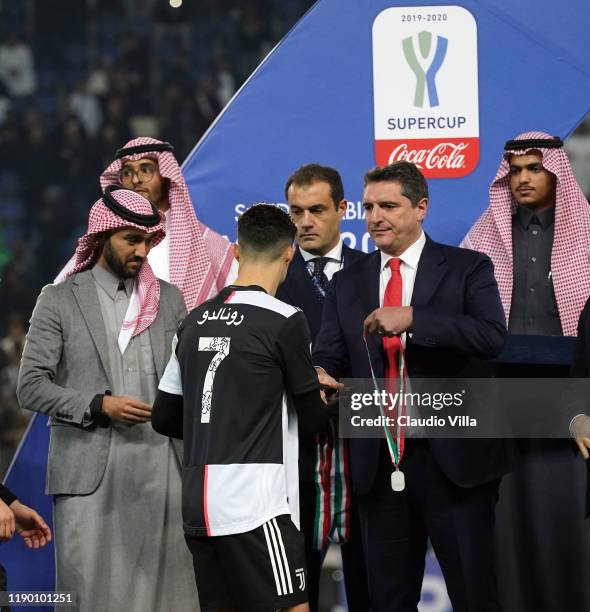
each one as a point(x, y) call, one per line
point(570, 256)
point(200, 259)
point(145, 298)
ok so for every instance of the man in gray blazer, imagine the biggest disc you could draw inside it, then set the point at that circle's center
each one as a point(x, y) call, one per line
point(97, 345)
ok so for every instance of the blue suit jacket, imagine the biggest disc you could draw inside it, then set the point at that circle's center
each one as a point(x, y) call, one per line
point(458, 320)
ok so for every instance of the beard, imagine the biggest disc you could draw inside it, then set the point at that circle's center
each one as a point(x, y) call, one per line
point(118, 266)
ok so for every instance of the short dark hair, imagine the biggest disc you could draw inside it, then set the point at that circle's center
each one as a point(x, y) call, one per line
point(313, 173)
point(411, 180)
point(264, 231)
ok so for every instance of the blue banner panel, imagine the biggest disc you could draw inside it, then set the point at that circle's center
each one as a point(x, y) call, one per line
point(30, 570)
point(313, 99)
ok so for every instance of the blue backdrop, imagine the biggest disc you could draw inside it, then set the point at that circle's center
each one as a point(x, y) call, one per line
point(312, 100)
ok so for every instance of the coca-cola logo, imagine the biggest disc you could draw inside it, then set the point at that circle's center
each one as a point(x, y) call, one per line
point(436, 157)
point(444, 155)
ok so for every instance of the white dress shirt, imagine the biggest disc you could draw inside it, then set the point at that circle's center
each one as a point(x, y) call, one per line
point(408, 267)
point(409, 264)
point(333, 265)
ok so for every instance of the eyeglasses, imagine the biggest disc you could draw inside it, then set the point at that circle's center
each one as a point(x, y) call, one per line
point(144, 174)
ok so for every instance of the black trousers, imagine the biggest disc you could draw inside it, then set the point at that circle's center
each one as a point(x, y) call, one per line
point(396, 527)
point(542, 538)
point(353, 563)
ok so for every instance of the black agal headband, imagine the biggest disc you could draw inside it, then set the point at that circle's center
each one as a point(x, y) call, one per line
point(125, 213)
point(534, 143)
point(145, 148)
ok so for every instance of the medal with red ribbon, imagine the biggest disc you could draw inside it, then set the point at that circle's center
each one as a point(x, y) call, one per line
point(394, 433)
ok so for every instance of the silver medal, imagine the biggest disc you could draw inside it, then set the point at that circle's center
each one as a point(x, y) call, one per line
point(398, 481)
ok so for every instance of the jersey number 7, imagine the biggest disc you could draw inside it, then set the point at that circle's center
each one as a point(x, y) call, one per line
point(220, 345)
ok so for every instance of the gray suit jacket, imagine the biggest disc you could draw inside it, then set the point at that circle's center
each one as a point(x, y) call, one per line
point(65, 364)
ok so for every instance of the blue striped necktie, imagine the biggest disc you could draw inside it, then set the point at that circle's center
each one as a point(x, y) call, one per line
point(318, 278)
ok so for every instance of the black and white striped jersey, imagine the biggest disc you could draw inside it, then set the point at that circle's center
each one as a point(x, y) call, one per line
point(238, 360)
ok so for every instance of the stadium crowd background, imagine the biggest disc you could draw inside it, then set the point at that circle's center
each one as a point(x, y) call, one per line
point(77, 80)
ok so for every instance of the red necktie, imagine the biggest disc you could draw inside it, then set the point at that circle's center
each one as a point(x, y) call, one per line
point(392, 346)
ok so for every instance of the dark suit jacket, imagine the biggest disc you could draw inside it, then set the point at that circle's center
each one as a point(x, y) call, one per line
point(581, 369)
point(458, 320)
point(298, 290)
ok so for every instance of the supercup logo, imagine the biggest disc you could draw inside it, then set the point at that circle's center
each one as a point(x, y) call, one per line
point(426, 89)
point(425, 76)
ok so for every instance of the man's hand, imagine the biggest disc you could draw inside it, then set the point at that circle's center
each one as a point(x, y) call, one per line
point(329, 386)
point(7, 522)
point(581, 432)
point(126, 409)
point(389, 321)
point(30, 526)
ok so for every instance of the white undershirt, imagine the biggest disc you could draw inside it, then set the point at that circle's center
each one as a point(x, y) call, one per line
point(159, 256)
point(233, 273)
